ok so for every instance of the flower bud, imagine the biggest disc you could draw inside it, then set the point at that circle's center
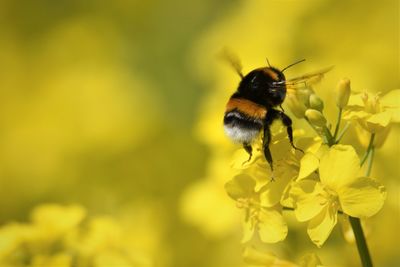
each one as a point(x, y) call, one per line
point(304, 96)
point(296, 106)
point(343, 93)
point(316, 102)
point(315, 117)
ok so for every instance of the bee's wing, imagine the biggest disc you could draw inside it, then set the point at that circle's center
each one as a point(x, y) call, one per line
point(306, 79)
point(309, 78)
point(233, 60)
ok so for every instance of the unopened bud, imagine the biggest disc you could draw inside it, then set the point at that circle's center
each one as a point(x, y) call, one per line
point(343, 92)
point(316, 102)
point(304, 96)
point(315, 117)
point(296, 106)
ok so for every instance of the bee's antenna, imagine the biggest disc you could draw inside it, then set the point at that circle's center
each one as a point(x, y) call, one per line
point(297, 62)
point(269, 65)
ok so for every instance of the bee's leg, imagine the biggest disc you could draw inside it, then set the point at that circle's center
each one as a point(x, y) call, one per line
point(266, 142)
point(249, 150)
point(281, 108)
point(288, 123)
point(271, 116)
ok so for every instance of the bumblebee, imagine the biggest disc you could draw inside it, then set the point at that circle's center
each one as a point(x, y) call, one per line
point(254, 106)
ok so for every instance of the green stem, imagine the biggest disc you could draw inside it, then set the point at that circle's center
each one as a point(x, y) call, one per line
point(312, 126)
point(355, 222)
point(370, 160)
point(323, 132)
point(369, 148)
point(342, 133)
point(328, 135)
point(338, 123)
point(361, 242)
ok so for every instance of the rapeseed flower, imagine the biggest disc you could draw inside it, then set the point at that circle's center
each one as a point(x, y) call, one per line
point(340, 188)
point(267, 221)
point(373, 112)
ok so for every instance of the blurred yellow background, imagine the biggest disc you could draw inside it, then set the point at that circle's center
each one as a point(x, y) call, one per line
point(111, 113)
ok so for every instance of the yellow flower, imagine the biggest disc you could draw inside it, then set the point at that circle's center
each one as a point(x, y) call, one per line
point(340, 188)
point(56, 220)
point(268, 221)
point(372, 112)
point(272, 186)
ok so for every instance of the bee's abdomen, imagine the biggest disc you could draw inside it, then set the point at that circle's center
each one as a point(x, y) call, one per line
point(243, 120)
point(246, 107)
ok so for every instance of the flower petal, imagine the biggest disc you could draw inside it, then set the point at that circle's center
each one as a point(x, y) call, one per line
point(355, 100)
point(391, 102)
point(339, 166)
point(308, 164)
point(248, 229)
point(255, 257)
point(379, 121)
point(362, 198)
point(271, 226)
point(320, 227)
point(307, 199)
point(241, 159)
point(241, 186)
point(355, 114)
point(310, 260)
point(272, 192)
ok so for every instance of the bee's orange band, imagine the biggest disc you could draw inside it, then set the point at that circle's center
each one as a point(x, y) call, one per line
point(247, 107)
point(271, 73)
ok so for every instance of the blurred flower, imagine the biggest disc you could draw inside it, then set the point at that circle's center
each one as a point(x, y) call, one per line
point(55, 220)
point(340, 189)
point(59, 236)
point(372, 112)
point(364, 136)
point(268, 221)
point(268, 259)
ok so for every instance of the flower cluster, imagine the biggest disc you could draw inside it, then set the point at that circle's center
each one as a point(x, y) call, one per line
point(327, 181)
point(63, 236)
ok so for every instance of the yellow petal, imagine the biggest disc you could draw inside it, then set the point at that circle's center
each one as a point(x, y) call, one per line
point(355, 113)
point(378, 122)
point(241, 186)
point(56, 219)
point(391, 101)
point(310, 260)
point(308, 164)
point(271, 193)
point(307, 197)
point(320, 227)
point(260, 171)
point(362, 198)
point(241, 159)
point(248, 229)
point(255, 257)
point(309, 144)
point(356, 100)
point(364, 136)
point(339, 166)
point(271, 226)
